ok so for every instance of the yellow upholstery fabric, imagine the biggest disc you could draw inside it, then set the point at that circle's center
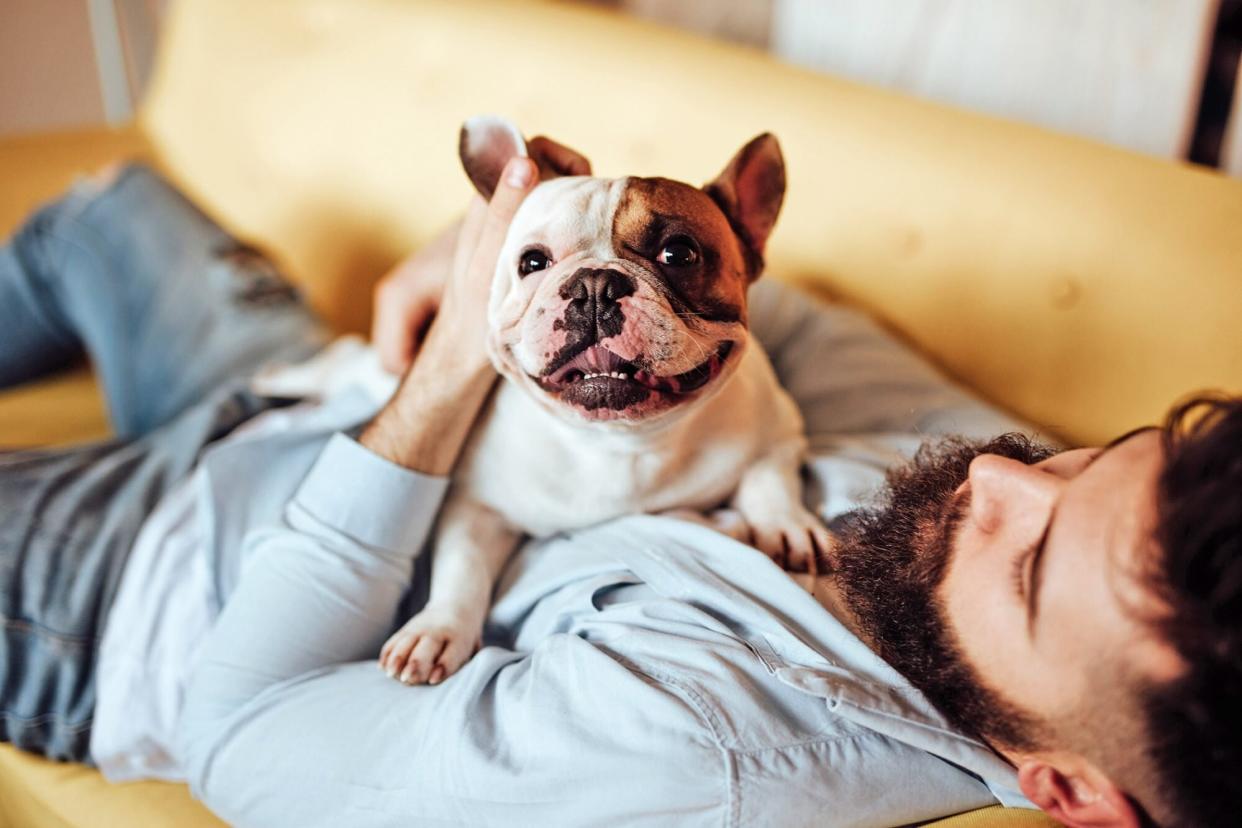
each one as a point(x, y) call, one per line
point(1081, 286)
point(35, 793)
point(995, 817)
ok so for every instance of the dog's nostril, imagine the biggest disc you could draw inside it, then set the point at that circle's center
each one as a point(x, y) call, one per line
point(617, 286)
point(597, 292)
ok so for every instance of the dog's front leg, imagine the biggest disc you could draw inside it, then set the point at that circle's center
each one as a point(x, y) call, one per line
point(472, 543)
point(769, 499)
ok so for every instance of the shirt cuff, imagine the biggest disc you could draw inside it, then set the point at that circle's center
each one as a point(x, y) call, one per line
point(374, 501)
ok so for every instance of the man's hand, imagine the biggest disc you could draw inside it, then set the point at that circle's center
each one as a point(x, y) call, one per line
point(407, 298)
point(425, 424)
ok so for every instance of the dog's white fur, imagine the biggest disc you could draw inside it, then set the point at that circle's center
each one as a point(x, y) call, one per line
point(534, 466)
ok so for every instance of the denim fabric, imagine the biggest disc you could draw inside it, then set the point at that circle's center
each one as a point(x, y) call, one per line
point(174, 314)
point(168, 306)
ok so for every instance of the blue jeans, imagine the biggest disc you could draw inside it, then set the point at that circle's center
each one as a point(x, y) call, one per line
point(174, 315)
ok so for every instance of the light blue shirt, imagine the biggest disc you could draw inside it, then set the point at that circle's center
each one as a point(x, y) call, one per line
point(644, 671)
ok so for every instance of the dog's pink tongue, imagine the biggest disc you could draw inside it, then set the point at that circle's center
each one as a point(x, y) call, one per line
point(594, 360)
point(599, 358)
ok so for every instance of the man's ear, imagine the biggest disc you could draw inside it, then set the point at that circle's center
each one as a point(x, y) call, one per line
point(1074, 792)
point(487, 142)
point(750, 191)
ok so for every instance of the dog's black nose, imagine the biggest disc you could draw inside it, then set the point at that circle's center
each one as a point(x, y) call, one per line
point(594, 295)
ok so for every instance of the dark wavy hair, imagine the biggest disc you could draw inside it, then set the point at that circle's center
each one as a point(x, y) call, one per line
point(1194, 722)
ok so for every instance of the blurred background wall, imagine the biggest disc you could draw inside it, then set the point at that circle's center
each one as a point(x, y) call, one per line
point(1157, 76)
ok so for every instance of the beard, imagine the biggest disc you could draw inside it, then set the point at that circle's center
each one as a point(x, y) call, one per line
point(889, 564)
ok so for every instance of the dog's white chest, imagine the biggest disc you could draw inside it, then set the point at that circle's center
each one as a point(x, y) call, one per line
point(546, 475)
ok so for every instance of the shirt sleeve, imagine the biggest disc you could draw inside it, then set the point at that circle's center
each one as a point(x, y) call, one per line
point(288, 720)
point(319, 589)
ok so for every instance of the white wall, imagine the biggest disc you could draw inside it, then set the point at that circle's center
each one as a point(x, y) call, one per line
point(73, 63)
point(47, 66)
point(1231, 152)
point(1128, 72)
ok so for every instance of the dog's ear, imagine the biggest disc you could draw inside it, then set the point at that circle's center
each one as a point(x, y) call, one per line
point(750, 191)
point(557, 159)
point(488, 142)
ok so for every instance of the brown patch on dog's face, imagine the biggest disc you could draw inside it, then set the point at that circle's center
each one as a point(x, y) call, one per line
point(657, 220)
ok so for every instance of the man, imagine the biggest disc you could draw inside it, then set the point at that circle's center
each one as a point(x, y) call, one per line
point(1072, 618)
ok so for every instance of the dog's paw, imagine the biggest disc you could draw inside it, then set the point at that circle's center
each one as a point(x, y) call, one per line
point(431, 646)
point(792, 538)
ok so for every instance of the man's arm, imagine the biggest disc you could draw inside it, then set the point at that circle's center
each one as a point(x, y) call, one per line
point(426, 423)
point(322, 589)
point(282, 726)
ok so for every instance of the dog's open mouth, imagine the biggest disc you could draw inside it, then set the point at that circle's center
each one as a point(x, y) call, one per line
point(598, 378)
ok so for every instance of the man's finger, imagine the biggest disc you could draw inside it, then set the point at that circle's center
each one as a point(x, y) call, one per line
point(471, 230)
point(395, 331)
point(516, 181)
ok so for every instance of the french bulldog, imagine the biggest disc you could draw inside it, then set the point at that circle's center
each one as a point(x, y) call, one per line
point(630, 383)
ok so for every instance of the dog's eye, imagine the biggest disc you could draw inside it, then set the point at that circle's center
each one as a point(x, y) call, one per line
point(678, 252)
point(532, 260)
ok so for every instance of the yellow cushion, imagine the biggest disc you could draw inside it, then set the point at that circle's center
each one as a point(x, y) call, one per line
point(1082, 286)
point(35, 793)
point(995, 817)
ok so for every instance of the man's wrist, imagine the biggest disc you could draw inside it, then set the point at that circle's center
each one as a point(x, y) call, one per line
point(426, 423)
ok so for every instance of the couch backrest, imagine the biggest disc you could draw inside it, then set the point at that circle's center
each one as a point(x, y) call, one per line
point(1080, 286)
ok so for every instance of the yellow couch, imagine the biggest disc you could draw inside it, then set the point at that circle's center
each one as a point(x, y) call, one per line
point(1081, 286)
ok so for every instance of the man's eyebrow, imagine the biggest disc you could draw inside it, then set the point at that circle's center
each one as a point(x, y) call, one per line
point(1037, 561)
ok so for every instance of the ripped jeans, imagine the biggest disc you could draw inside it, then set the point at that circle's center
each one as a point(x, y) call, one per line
point(174, 315)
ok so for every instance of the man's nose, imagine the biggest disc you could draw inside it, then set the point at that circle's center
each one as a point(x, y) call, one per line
point(1006, 492)
point(594, 294)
